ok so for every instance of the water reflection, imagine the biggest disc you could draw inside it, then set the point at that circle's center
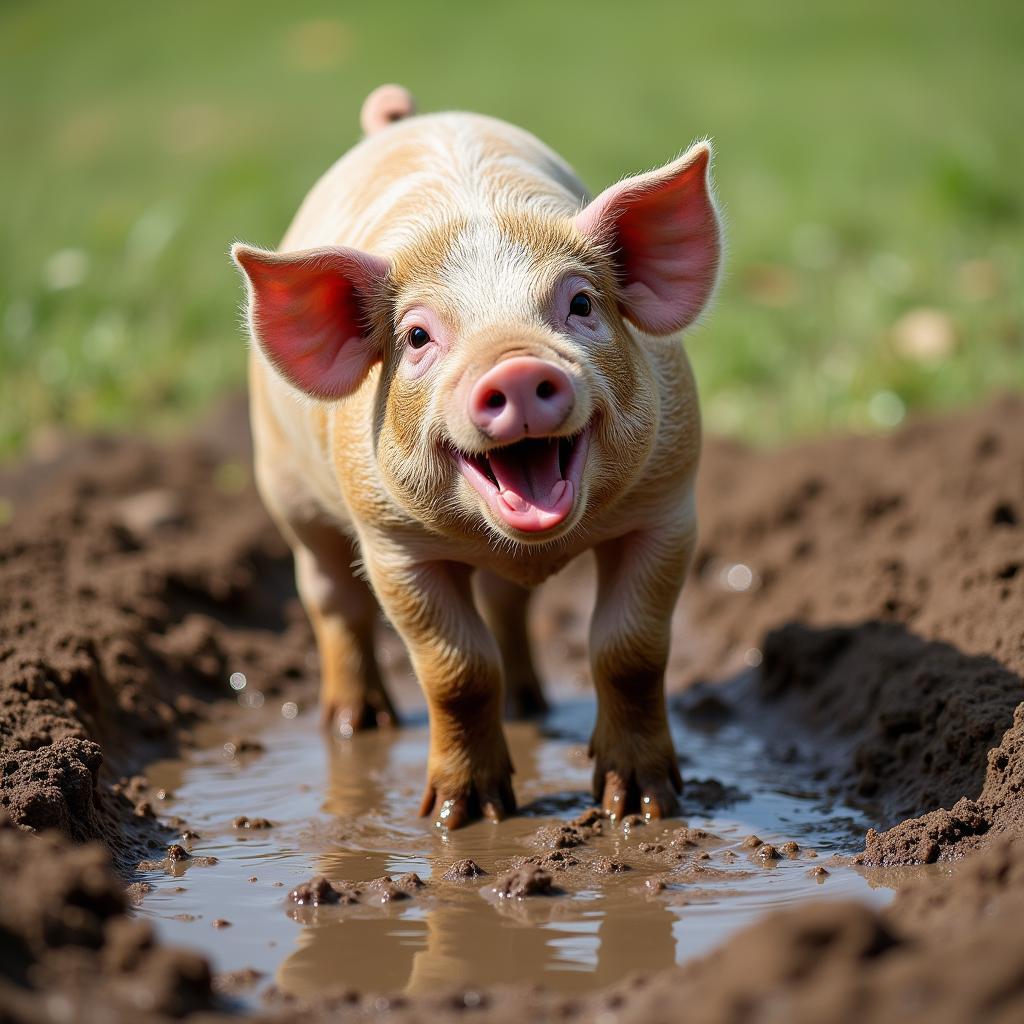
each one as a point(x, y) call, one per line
point(463, 935)
point(347, 810)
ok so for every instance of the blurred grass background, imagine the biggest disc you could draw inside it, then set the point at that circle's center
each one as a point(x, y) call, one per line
point(869, 164)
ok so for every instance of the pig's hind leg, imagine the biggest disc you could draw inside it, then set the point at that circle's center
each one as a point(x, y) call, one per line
point(639, 579)
point(504, 606)
point(343, 612)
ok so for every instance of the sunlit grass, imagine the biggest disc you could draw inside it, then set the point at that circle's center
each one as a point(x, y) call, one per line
point(869, 164)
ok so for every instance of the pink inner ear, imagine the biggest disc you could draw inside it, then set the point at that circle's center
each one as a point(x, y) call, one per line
point(665, 233)
point(307, 314)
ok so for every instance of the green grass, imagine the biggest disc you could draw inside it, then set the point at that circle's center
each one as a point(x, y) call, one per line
point(870, 161)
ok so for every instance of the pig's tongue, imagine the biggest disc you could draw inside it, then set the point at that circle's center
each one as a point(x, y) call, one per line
point(529, 476)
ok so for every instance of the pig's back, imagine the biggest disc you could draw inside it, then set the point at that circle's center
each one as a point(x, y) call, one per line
point(431, 169)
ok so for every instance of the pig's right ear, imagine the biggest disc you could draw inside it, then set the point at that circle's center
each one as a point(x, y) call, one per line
point(308, 313)
point(662, 228)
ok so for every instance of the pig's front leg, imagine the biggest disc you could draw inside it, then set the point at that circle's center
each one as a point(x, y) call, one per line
point(456, 660)
point(639, 579)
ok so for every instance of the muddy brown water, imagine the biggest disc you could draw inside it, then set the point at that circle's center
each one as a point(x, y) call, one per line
point(346, 809)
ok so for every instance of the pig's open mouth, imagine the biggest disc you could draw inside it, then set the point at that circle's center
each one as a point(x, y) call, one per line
point(530, 485)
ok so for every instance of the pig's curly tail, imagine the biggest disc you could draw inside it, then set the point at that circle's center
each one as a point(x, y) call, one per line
point(385, 105)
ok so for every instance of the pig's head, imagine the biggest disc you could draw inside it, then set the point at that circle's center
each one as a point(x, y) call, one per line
point(511, 397)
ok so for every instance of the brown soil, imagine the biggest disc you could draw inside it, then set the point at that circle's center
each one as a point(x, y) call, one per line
point(885, 597)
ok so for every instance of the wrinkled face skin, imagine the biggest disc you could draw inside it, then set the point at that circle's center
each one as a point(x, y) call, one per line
point(513, 401)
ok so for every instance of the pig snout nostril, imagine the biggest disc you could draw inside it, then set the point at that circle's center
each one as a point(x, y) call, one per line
point(521, 396)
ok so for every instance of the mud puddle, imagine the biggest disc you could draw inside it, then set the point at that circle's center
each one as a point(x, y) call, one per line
point(284, 804)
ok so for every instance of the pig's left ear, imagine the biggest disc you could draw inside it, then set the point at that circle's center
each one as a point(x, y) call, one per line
point(663, 230)
point(309, 314)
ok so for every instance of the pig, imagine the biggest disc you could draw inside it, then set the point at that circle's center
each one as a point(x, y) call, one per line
point(464, 373)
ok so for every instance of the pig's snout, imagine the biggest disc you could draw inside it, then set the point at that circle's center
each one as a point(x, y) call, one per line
point(521, 397)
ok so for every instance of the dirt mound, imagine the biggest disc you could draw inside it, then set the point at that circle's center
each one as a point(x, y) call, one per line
point(922, 527)
point(886, 599)
point(133, 581)
point(67, 948)
point(863, 596)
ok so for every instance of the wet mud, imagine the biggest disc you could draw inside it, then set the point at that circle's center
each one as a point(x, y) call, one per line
point(855, 611)
point(350, 889)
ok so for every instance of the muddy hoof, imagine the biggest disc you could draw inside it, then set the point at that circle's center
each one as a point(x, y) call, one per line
point(345, 719)
point(494, 803)
point(651, 795)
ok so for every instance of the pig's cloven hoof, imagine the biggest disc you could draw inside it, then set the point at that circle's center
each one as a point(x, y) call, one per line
point(494, 801)
point(344, 718)
point(652, 794)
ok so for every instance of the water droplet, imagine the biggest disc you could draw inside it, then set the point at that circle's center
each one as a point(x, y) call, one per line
point(739, 577)
point(237, 681)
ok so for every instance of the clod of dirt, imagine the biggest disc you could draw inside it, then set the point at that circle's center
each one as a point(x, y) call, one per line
point(555, 860)
point(607, 866)
point(766, 853)
point(463, 869)
point(388, 890)
point(588, 818)
point(137, 892)
point(176, 861)
point(558, 837)
point(752, 842)
point(314, 893)
point(219, 922)
point(527, 880)
point(689, 838)
point(791, 849)
point(255, 823)
point(818, 872)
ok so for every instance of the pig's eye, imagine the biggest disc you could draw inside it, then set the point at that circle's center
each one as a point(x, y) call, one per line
point(418, 337)
point(580, 305)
